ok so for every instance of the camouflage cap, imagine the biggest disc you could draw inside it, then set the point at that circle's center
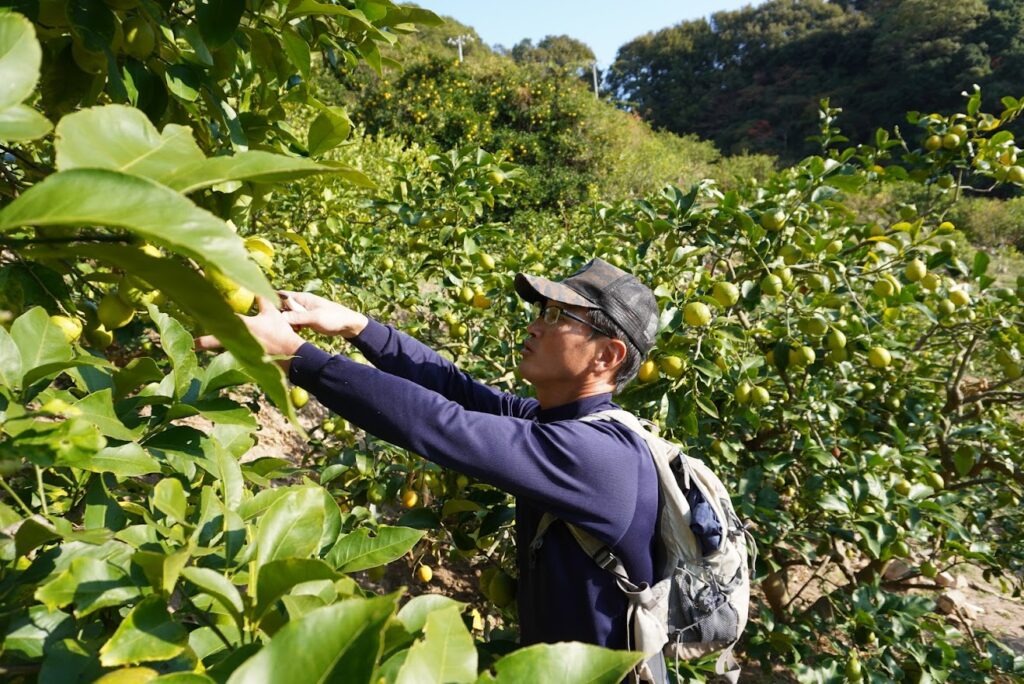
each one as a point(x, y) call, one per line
point(599, 285)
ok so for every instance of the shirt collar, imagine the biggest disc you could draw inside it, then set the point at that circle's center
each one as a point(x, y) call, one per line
point(576, 409)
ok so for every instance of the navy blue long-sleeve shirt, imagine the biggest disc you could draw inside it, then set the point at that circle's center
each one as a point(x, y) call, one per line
point(596, 475)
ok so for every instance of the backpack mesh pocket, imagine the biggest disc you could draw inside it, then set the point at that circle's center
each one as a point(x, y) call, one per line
point(700, 609)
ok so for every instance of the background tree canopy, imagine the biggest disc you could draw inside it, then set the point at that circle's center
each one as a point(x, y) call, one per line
point(750, 79)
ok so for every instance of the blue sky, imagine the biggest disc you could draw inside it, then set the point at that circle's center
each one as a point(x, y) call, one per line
point(604, 25)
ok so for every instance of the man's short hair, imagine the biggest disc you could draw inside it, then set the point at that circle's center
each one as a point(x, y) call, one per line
point(631, 363)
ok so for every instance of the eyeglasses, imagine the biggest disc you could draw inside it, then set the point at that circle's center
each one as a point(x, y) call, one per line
point(551, 313)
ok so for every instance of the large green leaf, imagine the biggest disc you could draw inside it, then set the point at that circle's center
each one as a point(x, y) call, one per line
point(222, 465)
point(169, 498)
point(564, 662)
point(39, 340)
point(199, 299)
point(179, 347)
point(21, 122)
point(277, 578)
point(359, 551)
point(292, 527)
point(10, 361)
point(218, 20)
point(85, 197)
point(147, 634)
point(328, 130)
point(20, 57)
point(30, 635)
point(89, 583)
point(414, 614)
point(122, 138)
point(337, 643)
point(219, 587)
point(446, 654)
point(127, 460)
point(98, 408)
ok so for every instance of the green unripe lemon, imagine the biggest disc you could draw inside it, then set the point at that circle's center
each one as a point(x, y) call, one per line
point(771, 284)
point(743, 392)
point(71, 327)
point(139, 38)
point(114, 312)
point(916, 270)
point(773, 220)
point(759, 396)
point(299, 397)
point(697, 314)
point(931, 282)
point(879, 357)
point(672, 366)
point(726, 293)
point(836, 340)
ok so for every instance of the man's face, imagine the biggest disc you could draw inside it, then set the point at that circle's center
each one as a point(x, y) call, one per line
point(561, 353)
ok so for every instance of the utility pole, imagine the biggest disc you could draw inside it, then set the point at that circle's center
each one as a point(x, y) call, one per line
point(459, 41)
point(593, 72)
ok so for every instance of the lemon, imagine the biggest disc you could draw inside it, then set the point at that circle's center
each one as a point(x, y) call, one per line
point(960, 297)
point(760, 396)
point(931, 282)
point(916, 270)
point(114, 312)
point(424, 573)
point(71, 327)
point(771, 284)
point(934, 480)
point(951, 141)
point(883, 288)
point(773, 220)
point(726, 293)
point(502, 589)
point(139, 38)
point(481, 301)
point(410, 498)
point(299, 397)
point(743, 391)
point(879, 357)
point(933, 142)
point(672, 366)
point(466, 294)
point(697, 314)
point(487, 261)
point(836, 340)
point(648, 371)
point(240, 300)
point(99, 337)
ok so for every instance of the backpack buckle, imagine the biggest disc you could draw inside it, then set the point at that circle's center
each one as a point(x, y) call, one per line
point(605, 559)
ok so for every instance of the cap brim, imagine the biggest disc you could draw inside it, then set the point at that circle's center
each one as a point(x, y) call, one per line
point(535, 288)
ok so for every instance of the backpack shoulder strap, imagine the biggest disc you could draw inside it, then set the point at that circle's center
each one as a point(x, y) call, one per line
point(598, 551)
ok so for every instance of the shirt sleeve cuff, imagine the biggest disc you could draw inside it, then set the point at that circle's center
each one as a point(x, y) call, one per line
point(307, 364)
point(372, 340)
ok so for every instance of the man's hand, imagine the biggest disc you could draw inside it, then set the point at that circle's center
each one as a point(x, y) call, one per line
point(306, 310)
point(270, 327)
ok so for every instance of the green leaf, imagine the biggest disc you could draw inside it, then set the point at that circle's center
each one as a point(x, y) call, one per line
point(89, 583)
point(123, 139)
point(564, 662)
point(339, 644)
point(218, 20)
point(139, 371)
point(981, 262)
point(223, 466)
point(39, 340)
point(359, 551)
point(98, 408)
point(178, 345)
point(297, 49)
point(278, 577)
point(292, 527)
point(21, 122)
point(10, 361)
point(169, 498)
point(154, 212)
point(329, 129)
point(219, 587)
point(147, 634)
point(30, 635)
point(127, 460)
point(446, 654)
point(20, 58)
point(414, 614)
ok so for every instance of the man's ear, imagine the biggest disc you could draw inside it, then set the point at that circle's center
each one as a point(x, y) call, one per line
point(612, 355)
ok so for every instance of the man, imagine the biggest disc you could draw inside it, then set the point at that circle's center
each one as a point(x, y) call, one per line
point(590, 337)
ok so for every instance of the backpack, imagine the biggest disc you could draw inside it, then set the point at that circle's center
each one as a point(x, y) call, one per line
point(699, 604)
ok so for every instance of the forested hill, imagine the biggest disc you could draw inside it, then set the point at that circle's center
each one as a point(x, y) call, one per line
point(750, 79)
